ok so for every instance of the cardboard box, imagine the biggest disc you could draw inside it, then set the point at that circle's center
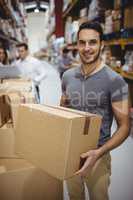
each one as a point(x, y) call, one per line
point(7, 143)
point(5, 110)
point(22, 85)
point(19, 90)
point(53, 138)
point(8, 117)
point(19, 180)
point(15, 99)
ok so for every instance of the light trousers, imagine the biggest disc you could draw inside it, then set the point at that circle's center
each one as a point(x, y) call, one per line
point(97, 181)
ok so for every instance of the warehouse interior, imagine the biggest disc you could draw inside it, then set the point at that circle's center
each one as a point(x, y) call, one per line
point(48, 27)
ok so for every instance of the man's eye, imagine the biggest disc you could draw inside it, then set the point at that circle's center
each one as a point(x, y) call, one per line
point(92, 42)
point(81, 42)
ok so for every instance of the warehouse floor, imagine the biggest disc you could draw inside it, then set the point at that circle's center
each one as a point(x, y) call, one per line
point(121, 187)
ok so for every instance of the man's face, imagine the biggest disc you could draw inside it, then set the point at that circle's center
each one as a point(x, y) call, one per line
point(89, 46)
point(2, 55)
point(22, 52)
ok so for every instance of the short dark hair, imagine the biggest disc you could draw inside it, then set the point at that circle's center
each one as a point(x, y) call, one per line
point(65, 50)
point(92, 25)
point(23, 45)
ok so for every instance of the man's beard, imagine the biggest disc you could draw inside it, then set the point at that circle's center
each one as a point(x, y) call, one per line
point(94, 60)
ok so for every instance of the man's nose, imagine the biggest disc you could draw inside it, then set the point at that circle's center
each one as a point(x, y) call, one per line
point(87, 46)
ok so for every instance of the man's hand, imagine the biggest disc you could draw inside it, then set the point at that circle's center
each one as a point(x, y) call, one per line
point(90, 160)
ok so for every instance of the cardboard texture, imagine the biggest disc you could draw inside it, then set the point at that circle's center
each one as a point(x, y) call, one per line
point(19, 180)
point(16, 99)
point(9, 106)
point(13, 85)
point(5, 110)
point(17, 91)
point(7, 140)
point(53, 138)
point(9, 102)
point(20, 90)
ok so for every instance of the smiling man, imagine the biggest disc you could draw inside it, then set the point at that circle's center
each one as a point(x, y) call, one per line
point(94, 87)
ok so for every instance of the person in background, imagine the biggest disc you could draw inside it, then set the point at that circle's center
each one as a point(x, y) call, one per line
point(94, 87)
point(64, 62)
point(3, 56)
point(128, 66)
point(107, 55)
point(31, 68)
point(26, 67)
point(75, 57)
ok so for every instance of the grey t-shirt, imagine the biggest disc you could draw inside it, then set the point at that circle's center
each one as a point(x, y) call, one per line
point(95, 94)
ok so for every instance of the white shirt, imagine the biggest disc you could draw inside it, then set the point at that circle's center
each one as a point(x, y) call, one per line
point(31, 68)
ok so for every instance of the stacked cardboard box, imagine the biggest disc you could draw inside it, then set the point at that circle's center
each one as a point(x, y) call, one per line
point(19, 84)
point(19, 91)
point(53, 138)
point(12, 93)
point(20, 180)
point(7, 140)
point(5, 110)
point(20, 87)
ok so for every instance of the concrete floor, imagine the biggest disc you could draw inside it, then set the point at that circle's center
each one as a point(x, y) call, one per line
point(121, 187)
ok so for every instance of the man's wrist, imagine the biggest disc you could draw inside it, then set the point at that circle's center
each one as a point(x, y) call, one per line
point(102, 150)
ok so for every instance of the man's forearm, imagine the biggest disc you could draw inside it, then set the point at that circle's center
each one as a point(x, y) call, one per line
point(118, 138)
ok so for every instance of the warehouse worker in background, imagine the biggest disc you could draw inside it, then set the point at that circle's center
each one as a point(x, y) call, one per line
point(64, 61)
point(31, 68)
point(26, 67)
point(94, 87)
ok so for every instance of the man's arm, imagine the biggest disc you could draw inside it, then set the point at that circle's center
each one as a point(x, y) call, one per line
point(121, 113)
point(40, 68)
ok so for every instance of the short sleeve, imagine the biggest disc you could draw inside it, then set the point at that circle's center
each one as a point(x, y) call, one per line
point(119, 89)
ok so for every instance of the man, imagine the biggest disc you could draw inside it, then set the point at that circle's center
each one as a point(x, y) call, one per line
point(94, 87)
point(26, 67)
point(30, 68)
point(64, 62)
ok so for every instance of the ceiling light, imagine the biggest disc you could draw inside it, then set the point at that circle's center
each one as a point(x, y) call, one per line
point(36, 10)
